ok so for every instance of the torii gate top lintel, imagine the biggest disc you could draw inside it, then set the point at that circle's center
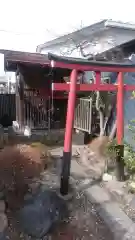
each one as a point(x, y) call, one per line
point(89, 65)
point(85, 65)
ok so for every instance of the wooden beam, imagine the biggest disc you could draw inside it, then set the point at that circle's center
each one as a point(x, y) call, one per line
point(91, 87)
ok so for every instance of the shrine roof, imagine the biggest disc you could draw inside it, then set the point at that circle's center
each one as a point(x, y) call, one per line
point(81, 64)
point(13, 58)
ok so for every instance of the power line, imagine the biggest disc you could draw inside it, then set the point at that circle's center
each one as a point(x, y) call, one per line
point(20, 33)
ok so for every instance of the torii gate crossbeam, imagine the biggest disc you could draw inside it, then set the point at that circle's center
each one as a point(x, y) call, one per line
point(73, 88)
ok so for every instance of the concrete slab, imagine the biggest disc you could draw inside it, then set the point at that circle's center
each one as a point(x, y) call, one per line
point(110, 212)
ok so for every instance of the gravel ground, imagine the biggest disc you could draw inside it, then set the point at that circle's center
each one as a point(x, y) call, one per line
point(83, 222)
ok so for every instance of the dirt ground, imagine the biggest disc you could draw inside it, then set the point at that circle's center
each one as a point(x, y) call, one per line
point(83, 222)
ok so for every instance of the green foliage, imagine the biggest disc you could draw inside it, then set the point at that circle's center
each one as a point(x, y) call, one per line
point(129, 158)
point(111, 149)
point(129, 153)
point(133, 94)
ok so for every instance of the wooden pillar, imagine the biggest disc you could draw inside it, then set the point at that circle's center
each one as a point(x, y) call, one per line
point(120, 129)
point(19, 98)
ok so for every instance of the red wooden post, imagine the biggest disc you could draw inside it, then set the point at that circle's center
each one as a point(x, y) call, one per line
point(120, 110)
point(98, 78)
point(66, 162)
point(120, 128)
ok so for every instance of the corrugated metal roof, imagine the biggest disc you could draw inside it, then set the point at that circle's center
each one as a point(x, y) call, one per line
point(76, 35)
point(93, 40)
point(86, 33)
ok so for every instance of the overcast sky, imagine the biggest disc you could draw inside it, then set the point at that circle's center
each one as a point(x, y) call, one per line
point(27, 23)
point(31, 22)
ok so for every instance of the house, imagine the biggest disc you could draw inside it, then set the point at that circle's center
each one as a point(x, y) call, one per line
point(100, 39)
point(34, 100)
point(96, 39)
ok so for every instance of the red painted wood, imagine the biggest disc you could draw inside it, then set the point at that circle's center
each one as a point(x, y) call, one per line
point(120, 109)
point(93, 68)
point(85, 87)
point(70, 112)
point(120, 87)
point(129, 87)
point(98, 78)
point(92, 87)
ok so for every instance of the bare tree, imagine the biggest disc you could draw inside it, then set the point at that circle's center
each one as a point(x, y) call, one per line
point(115, 53)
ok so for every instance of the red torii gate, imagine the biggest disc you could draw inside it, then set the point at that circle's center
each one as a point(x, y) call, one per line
point(76, 64)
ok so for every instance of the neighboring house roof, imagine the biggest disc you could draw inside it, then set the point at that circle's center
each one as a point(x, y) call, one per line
point(91, 29)
point(24, 57)
point(12, 58)
point(107, 33)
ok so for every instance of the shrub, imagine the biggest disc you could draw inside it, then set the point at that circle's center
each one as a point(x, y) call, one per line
point(19, 164)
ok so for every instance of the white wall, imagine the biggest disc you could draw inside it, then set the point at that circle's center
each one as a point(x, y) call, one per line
point(2, 72)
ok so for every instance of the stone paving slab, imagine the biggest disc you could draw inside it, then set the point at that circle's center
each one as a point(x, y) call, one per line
point(119, 192)
point(109, 210)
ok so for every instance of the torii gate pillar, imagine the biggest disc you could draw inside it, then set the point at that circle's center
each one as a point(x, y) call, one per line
point(67, 153)
point(120, 129)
